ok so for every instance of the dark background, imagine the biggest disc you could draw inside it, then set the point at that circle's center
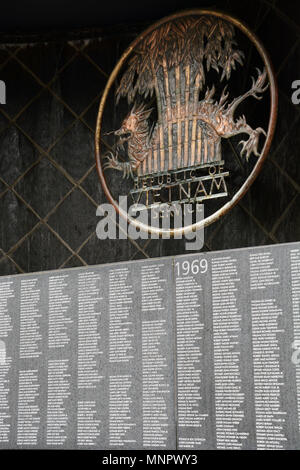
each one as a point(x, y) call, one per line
point(55, 60)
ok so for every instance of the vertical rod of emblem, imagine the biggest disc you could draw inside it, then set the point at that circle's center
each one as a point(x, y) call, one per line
point(186, 131)
point(159, 150)
point(194, 128)
point(205, 148)
point(149, 160)
point(161, 147)
point(167, 90)
point(170, 145)
point(155, 162)
point(159, 106)
point(199, 145)
point(178, 101)
point(169, 112)
point(193, 143)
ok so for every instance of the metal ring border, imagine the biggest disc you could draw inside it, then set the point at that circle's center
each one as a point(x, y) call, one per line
point(257, 167)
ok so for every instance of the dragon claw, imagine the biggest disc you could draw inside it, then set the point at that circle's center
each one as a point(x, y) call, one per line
point(250, 146)
point(127, 170)
point(111, 161)
point(260, 129)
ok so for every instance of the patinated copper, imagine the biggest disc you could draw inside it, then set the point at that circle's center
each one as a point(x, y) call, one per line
point(169, 62)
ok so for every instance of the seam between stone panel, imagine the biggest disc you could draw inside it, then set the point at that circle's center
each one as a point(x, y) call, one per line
point(132, 241)
point(11, 56)
point(210, 239)
point(47, 86)
point(77, 250)
point(283, 16)
point(45, 152)
point(284, 214)
point(289, 178)
point(23, 239)
point(75, 185)
point(144, 248)
point(87, 57)
point(74, 122)
point(14, 262)
point(25, 173)
point(258, 22)
point(44, 220)
point(236, 155)
point(254, 219)
point(43, 85)
point(3, 192)
point(206, 247)
point(58, 72)
point(41, 220)
point(287, 58)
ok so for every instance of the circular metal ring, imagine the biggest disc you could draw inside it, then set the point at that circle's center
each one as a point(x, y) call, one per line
point(257, 167)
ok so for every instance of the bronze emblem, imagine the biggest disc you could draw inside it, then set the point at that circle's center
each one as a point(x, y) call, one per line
point(170, 142)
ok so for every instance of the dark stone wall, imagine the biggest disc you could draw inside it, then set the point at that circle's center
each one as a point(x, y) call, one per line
point(49, 188)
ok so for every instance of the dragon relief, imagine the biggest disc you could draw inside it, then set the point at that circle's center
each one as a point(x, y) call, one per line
point(171, 63)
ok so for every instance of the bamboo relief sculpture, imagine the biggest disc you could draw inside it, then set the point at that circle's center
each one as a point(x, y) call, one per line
point(176, 79)
point(172, 63)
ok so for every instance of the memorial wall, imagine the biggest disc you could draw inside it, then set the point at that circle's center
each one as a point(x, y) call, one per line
point(188, 352)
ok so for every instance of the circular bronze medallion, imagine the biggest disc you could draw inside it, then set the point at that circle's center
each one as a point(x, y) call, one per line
point(195, 102)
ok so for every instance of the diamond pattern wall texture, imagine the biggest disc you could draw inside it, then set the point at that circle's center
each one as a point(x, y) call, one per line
point(49, 189)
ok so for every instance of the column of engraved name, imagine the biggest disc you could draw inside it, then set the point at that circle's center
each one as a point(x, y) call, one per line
point(7, 294)
point(156, 389)
point(89, 358)
point(190, 373)
point(295, 275)
point(59, 362)
point(227, 318)
point(121, 359)
point(29, 412)
point(266, 338)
